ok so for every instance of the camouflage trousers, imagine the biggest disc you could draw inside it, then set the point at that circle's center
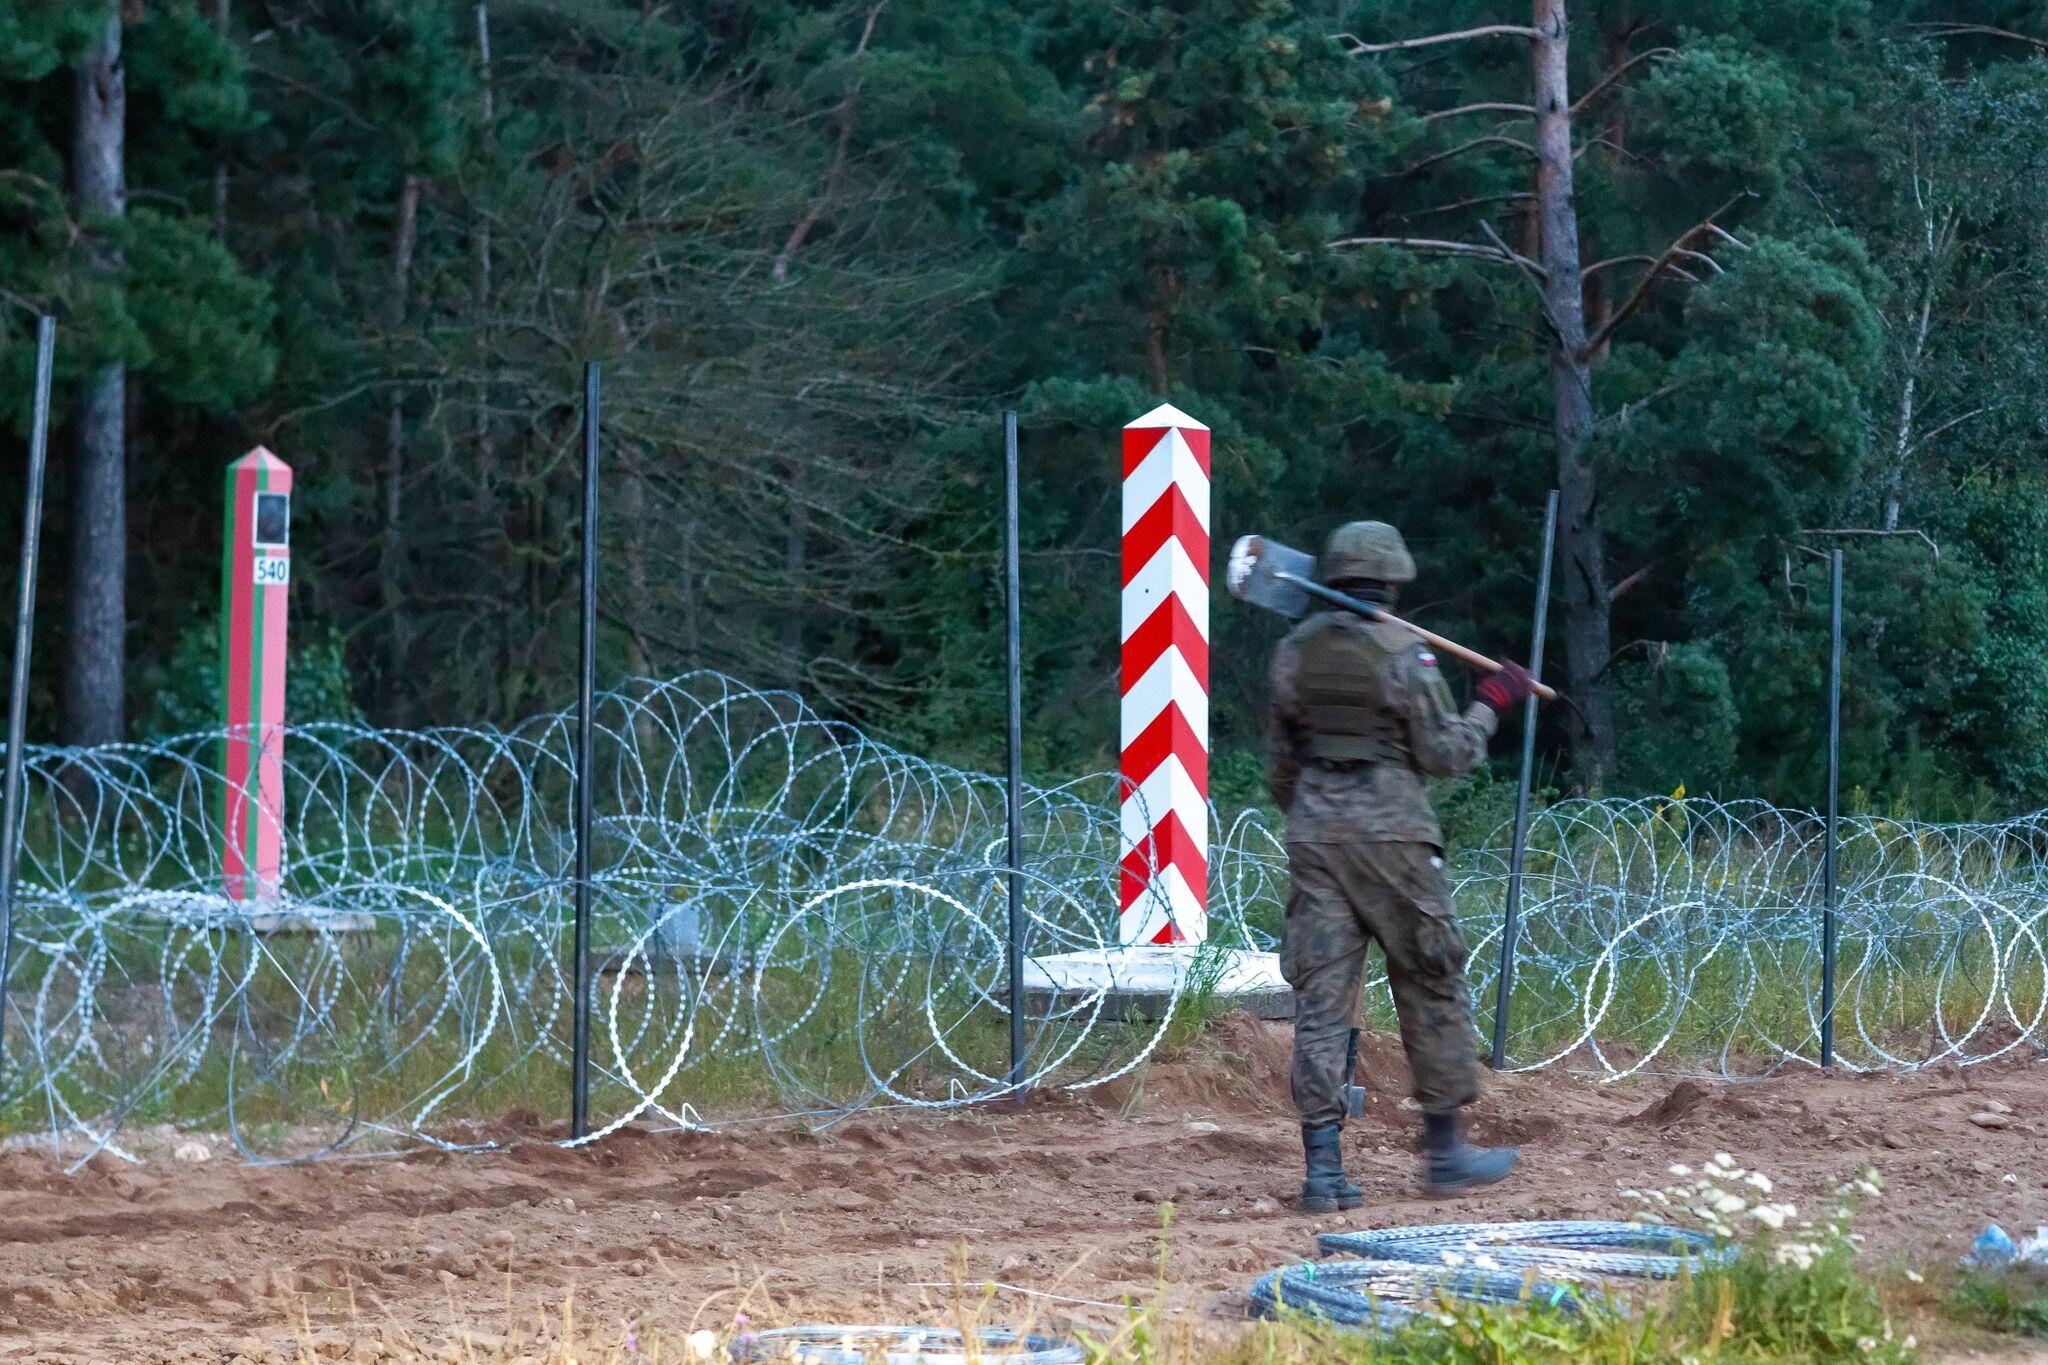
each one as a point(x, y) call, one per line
point(1346, 897)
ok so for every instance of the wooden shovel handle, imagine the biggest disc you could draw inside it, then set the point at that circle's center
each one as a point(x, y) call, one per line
point(1470, 656)
point(1371, 612)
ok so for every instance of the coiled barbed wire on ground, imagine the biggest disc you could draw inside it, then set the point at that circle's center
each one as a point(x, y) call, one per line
point(1403, 1272)
point(1560, 1250)
point(1388, 1295)
point(839, 1345)
point(790, 916)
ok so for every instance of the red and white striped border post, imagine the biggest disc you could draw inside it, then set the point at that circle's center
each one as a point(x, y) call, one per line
point(1164, 886)
point(256, 566)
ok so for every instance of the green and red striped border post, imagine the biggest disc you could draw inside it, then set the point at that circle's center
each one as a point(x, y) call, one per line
point(256, 570)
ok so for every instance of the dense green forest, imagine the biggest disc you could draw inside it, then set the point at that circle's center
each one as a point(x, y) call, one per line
point(1748, 280)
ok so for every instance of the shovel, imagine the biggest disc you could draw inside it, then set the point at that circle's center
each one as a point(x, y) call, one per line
point(1279, 578)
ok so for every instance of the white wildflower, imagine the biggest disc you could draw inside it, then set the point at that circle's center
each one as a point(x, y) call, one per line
point(702, 1345)
point(1916, 1277)
point(1800, 1254)
point(1760, 1180)
point(1681, 1170)
point(1770, 1215)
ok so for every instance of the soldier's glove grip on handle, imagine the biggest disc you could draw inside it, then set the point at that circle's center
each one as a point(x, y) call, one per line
point(1505, 690)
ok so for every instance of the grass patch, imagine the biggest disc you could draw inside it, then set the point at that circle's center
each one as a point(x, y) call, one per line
point(2011, 1302)
point(1753, 1310)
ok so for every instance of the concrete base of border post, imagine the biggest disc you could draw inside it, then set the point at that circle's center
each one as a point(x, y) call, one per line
point(1143, 983)
point(263, 918)
point(311, 920)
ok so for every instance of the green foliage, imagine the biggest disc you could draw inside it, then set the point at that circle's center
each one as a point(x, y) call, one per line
point(1679, 721)
point(189, 79)
point(818, 244)
point(185, 690)
point(1722, 112)
point(200, 325)
point(1753, 1311)
point(2014, 1302)
point(36, 36)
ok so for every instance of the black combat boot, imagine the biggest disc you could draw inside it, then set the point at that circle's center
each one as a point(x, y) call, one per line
point(1454, 1164)
point(1326, 1190)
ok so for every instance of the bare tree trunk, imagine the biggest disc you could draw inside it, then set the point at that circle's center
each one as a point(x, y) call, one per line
point(795, 557)
point(1618, 44)
point(1155, 354)
point(1903, 445)
point(1586, 623)
point(835, 176)
point(639, 583)
point(485, 482)
point(391, 568)
point(95, 674)
point(1159, 331)
point(220, 168)
point(481, 431)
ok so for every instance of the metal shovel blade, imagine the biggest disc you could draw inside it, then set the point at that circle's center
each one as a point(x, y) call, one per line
point(1268, 574)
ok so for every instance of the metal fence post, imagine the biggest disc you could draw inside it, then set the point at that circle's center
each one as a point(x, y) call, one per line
point(24, 634)
point(1828, 870)
point(1511, 923)
point(586, 686)
point(1013, 634)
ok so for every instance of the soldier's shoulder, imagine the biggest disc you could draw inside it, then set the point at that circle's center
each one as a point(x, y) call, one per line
point(1400, 638)
point(1313, 624)
point(1409, 649)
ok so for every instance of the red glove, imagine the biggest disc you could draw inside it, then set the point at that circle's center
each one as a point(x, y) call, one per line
point(1505, 690)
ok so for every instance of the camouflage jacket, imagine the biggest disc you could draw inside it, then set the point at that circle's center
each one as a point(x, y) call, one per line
point(1383, 801)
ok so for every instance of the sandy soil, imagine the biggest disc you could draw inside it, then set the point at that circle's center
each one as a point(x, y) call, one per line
point(185, 1261)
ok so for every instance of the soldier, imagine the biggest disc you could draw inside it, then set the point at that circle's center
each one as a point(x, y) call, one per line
point(1359, 715)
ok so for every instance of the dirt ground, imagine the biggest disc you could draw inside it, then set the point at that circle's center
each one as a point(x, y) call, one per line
point(180, 1260)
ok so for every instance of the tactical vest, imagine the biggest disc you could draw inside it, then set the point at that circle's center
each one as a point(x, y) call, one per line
point(1341, 697)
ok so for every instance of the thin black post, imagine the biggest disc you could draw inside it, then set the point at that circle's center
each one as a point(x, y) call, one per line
point(24, 632)
point(1511, 924)
point(1827, 866)
point(586, 685)
point(1013, 633)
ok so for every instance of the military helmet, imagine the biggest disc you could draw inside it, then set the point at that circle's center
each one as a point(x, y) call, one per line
point(1366, 551)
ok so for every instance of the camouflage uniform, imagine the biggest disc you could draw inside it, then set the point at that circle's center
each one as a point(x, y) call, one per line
point(1359, 715)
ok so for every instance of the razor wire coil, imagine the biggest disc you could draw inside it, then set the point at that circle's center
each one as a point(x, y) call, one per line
point(1561, 1250)
point(825, 1344)
point(792, 916)
point(1388, 1295)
